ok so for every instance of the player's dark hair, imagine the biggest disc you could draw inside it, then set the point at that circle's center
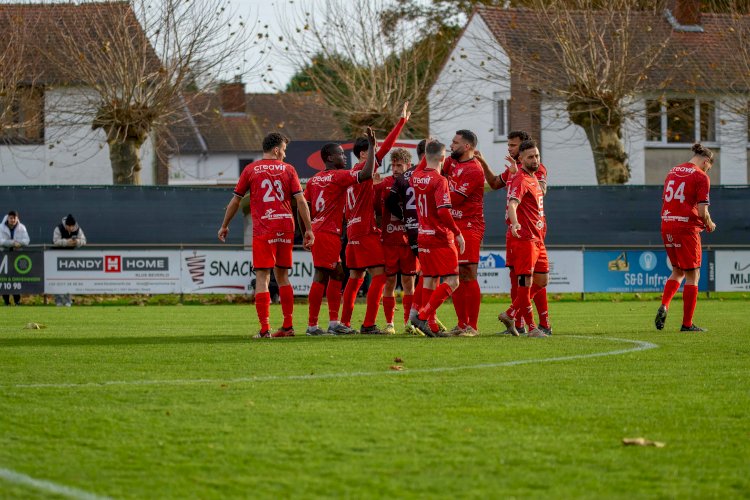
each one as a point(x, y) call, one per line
point(328, 150)
point(13, 213)
point(70, 220)
point(519, 134)
point(701, 150)
point(274, 140)
point(420, 148)
point(469, 137)
point(434, 149)
point(360, 144)
point(528, 144)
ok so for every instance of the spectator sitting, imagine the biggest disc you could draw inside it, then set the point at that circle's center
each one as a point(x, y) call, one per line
point(67, 234)
point(13, 235)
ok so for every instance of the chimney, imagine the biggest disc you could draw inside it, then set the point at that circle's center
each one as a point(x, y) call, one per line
point(232, 96)
point(685, 12)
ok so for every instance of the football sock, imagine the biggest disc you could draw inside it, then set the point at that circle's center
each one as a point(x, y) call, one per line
point(416, 302)
point(689, 301)
point(406, 302)
point(522, 305)
point(426, 295)
point(286, 293)
point(389, 308)
point(350, 295)
point(442, 292)
point(374, 294)
point(473, 298)
point(315, 299)
point(514, 294)
point(670, 289)
point(459, 304)
point(539, 294)
point(262, 307)
point(333, 294)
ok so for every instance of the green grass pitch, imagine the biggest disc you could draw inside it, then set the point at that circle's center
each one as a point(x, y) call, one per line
point(178, 402)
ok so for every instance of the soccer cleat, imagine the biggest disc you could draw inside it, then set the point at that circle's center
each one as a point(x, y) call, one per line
point(283, 332)
point(422, 327)
point(439, 332)
point(509, 323)
point(389, 329)
point(413, 315)
point(546, 329)
point(468, 332)
point(409, 329)
point(536, 333)
point(341, 329)
point(661, 317)
point(264, 334)
point(371, 330)
point(441, 326)
point(692, 328)
point(315, 331)
point(456, 331)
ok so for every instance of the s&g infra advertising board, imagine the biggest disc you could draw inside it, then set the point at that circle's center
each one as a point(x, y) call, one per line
point(22, 272)
point(632, 271)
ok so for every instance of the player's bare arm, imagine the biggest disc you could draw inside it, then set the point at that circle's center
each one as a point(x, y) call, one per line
point(703, 213)
point(231, 210)
point(513, 217)
point(303, 211)
point(543, 186)
point(366, 173)
point(495, 181)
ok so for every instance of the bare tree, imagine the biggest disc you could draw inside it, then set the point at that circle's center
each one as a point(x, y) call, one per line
point(365, 72)
point(138, 56)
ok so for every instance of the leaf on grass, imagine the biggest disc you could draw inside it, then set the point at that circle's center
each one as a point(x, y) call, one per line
point(398, 360)
point(397, 368)
point(642, 442)
point(34, 326)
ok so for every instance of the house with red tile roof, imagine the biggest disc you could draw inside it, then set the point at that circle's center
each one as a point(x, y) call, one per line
point(693, 95)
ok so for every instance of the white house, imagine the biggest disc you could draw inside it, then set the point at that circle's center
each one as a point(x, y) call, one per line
point(476, 89)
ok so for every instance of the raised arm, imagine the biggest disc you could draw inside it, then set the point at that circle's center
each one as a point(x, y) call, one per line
point(495, 181)
point(390, 140)
point(366, 173)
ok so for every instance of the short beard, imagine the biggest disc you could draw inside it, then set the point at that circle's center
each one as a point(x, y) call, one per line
point(532, 169)
point(456, 155)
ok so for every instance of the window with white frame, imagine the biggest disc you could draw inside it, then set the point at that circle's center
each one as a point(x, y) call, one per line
point(681, 120)
point(502, 116)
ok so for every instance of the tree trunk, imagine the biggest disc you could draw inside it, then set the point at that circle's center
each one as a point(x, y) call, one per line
point(604, 132)
point(126, 163)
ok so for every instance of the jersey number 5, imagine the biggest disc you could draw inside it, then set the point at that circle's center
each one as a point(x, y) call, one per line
point(677, 194)
point(269, 196)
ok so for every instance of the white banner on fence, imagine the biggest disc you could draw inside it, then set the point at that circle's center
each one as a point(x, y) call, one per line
point(732, 270)
point(566, 271)
point(112, 271)
point(230, 271)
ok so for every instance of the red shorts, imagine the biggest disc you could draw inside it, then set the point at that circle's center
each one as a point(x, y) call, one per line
point(326, 251)
point(529, 257)
point(473, 241)
point(441, 261)
point(400, 259)
point(683, 249)
point(365, 252)
point(273, 250)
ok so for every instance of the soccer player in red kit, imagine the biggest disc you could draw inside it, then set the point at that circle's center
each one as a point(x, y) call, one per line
point(538, 295)
point(466, 181)
point(526, 214)
point(326, 194)
point(399, 257)
point(272, 185)
point(364, 252)
point(438, 238)
point(684, 214)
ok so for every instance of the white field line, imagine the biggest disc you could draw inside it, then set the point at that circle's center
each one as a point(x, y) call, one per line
point(638, 345)
point(14, 477)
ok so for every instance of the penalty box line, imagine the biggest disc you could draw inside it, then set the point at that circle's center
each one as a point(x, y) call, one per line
point(639, 345)
point(15, 477)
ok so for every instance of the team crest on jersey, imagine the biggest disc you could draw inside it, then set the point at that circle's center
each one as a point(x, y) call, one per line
point(446, 198)
point(669, 238)
point(458, 172)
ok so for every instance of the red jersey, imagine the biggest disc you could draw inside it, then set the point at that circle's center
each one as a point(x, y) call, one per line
point(392, 229)
point(507, 177)
point(466, 184)
point(326, 192)
point(432, 192)
point(272, 184)
point(685, 187)
point(525, 188)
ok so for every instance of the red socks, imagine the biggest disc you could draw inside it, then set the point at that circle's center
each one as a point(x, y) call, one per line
point(315, 299)
point(350, 295)
point(374, 294)
point(689, 301)
point(406, 301)
point(286, 294)
point(459, 304)
point(333, 294)
point(539, 294)
point(472, 301)
point(389, 308)
point(262, 307)
point(442, 292)
point(521, 307)
point(670, 289)
point(416, 302)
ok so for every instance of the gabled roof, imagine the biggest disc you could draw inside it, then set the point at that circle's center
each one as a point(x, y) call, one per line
point(690, 62)
point(302, 116)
